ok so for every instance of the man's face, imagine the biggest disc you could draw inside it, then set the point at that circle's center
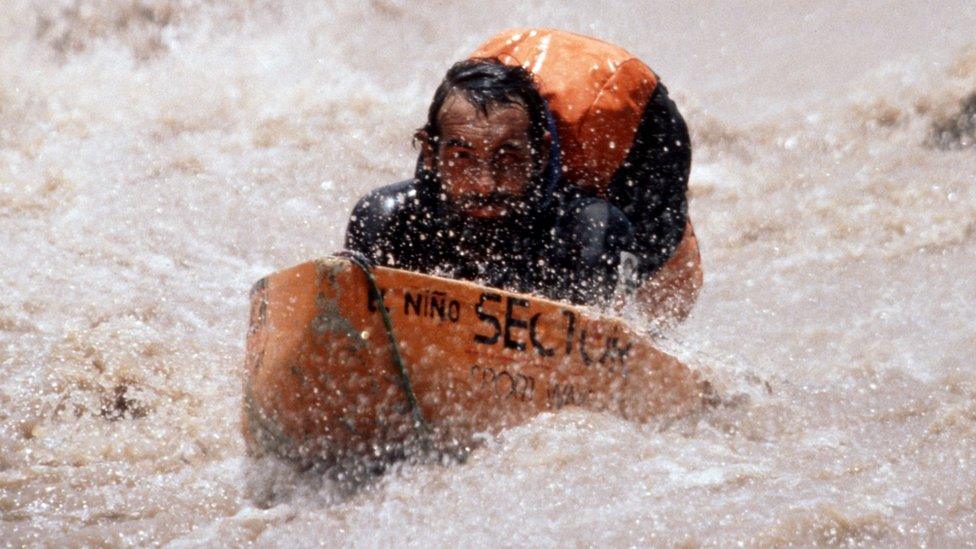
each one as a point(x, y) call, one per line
point(484, 160)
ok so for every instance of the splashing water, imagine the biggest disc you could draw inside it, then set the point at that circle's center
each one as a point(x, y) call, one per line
point(157, 158)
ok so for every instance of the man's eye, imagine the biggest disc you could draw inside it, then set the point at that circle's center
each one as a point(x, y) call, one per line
point(511, 161)
point(460, 155)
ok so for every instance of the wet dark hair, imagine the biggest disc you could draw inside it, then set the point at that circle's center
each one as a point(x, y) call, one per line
point(487, 82)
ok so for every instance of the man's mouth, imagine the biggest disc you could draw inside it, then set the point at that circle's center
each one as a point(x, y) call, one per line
point(492, 205)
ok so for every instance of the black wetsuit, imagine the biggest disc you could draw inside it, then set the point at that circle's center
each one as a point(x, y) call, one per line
point(567, 245)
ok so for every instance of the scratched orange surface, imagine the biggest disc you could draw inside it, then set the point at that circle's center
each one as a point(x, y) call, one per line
point(321, 385)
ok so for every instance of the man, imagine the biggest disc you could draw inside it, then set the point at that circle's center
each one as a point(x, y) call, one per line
point(519, 187)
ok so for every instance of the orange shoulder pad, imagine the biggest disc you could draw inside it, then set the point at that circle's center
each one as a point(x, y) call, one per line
point(596, 91)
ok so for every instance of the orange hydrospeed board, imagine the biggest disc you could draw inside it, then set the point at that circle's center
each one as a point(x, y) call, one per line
point(322, 384)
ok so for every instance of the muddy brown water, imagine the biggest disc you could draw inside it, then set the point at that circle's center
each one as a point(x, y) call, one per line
point(157, 158)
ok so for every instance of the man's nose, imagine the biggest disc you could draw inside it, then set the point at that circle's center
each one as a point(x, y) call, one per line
point(482, 182)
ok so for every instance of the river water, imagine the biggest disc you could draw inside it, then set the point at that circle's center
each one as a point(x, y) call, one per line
point(157, 158)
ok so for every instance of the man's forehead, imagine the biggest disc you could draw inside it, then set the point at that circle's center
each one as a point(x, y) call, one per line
point(458, 117)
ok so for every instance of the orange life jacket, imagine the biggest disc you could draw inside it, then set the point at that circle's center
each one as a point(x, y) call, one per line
point(597, 92)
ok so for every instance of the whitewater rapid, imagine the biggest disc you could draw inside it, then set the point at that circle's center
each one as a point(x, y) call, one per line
point(156, 158)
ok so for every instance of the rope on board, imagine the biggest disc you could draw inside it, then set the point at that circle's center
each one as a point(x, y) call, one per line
point(360, 260)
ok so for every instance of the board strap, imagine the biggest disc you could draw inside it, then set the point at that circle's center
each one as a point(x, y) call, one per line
point(361, 261)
